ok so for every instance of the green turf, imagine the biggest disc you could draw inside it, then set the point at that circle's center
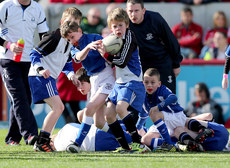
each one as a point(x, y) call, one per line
point(24, 156)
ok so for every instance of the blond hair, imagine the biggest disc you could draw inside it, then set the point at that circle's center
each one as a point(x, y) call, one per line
point(117, 14)
point(72, 11)
point(218, 14)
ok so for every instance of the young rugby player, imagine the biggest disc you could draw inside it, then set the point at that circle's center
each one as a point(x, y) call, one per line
point(162, 107)
point(96, 139)
point(128, 89)
point(48, 59)
point(101, 78)
point(212, 136)
point(210, 142)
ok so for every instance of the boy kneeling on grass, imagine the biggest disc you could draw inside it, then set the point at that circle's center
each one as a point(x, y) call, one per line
point(167, 115)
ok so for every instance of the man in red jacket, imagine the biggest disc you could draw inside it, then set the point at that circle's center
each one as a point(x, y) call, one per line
point(188, 34)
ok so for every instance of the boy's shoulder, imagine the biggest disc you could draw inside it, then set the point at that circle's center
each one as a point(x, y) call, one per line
point(163, 89)
point(52, 35)
point(49, 42)
point(96, 36)
point(88, 38)
point(129, 34)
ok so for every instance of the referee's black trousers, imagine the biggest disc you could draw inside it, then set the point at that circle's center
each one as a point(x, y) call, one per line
point(22, 122)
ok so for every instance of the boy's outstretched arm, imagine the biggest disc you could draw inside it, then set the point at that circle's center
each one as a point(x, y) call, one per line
point(168, 101)
point(81, 55)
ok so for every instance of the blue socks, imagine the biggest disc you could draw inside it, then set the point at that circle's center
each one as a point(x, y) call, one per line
point(163, 131)
point(84, 129)
point(184, 136)
point(155, 142)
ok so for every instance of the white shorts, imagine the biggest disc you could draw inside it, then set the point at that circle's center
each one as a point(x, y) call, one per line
point(102, 82)
point(171, 120)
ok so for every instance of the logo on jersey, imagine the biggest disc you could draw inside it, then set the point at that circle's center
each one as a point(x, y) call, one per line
point(108, 86)
point(149, 36)
point(33, 19)
point(169, 79)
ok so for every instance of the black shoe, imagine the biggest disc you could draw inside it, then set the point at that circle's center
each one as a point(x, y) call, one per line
point(32, 139)
point(204, 134)
point(194, 146)
point(13, 143)
point(73, 148)
point(165, 147)
point(43, 146)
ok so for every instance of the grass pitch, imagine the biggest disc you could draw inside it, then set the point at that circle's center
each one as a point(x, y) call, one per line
point(24, 157)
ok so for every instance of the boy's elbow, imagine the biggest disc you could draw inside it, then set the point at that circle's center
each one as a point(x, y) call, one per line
point(121, 66)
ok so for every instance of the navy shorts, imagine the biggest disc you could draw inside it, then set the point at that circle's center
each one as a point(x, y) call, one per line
point(42, 88)
point(132, 92)
point(220, 139)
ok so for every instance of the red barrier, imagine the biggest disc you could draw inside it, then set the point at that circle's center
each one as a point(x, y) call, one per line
point(202, 62)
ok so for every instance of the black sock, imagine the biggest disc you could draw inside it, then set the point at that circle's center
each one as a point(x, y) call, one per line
point(119, 134)
point(131, 127)
point(194, 125)
point(44, 137)
point(184, 136)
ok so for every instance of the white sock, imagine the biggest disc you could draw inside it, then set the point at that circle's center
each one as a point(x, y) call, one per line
point(105, 127)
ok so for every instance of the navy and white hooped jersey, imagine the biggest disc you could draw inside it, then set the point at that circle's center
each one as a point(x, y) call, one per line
point(52, 53)
point(127, 61)
point(17, 22)
point(94, 62)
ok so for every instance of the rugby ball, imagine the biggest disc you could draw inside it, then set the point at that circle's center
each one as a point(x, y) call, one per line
point(112, 44)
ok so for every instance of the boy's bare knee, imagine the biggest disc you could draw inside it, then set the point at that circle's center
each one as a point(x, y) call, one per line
point(119, 109)
point(80, 115)
point(156, 116)
point(178, 130)
point(90, 109)
point(59, 108)
point(100, 125)
point(110, 118)
point(144, 139)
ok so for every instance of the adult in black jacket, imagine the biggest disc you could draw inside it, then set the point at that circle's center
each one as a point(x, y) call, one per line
point(158, 47)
